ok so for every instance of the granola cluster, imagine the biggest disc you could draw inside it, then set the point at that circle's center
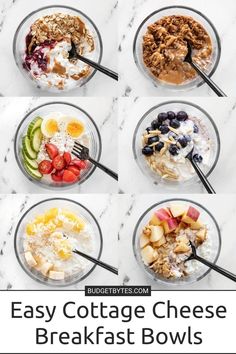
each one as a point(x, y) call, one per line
point(165, 47)
point(58, 27)
point(165, 240)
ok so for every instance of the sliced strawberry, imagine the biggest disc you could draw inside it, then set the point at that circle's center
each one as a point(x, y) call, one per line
point(69, 177)
point(67, 157)
point(74, 169)
point(58, 162)
point(81, 164)
point(45, 167)
point(52, 150)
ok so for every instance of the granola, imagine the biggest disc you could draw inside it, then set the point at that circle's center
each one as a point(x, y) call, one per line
point(164, 241)
point(165, 47)
point(47, 51)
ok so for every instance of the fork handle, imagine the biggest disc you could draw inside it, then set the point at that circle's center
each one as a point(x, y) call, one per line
point(104, 168)
point(99, 67)
point(208, 80)
point(215, 267)
point(202, 177)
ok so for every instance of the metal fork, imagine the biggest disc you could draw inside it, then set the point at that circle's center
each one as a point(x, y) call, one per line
point(82, 152)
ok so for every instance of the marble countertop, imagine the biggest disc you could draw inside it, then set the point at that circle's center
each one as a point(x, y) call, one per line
point(103, 111)
point(222, 178)
point(12, 12)
point(133, 12)
point(13, 277)
point(132, 207)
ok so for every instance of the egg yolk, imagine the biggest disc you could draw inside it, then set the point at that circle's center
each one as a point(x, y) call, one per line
point(52, 126)
point(75, 128)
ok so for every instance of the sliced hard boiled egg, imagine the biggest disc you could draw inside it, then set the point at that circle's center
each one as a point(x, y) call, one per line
point(72, 126)
point(49, 126)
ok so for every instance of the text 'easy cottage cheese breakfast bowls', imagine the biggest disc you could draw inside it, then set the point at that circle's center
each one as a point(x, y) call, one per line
point(46, 236)
point(44, 141)
point(161, 241)
point(160, 47)
point(42, 43)
point(166, 134)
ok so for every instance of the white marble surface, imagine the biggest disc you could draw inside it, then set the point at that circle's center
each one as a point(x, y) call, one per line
point(102, 110)
point(12, 12)
point(103, 207)
point(133, 12)
point(222, 178)
point(132, 207)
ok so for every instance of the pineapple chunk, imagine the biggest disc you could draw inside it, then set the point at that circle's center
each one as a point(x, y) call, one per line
point(177, 210)
point(51, 214)
point(144, 241)
point(39, 219)
point(56, 275)
point(148, 255)
point(30, 259)
point(30, 229)
point(154, 221)
point(159, 243)
point(156, 233)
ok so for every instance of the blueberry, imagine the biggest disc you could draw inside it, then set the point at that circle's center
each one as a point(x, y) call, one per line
point(171, 115)
point(174, 123)
point(147, 150)
point(182, 115)
point(159, 146)
point(197, 158)
point(164, 129)
point(148, 129)
point(162, 117)
point(153, 139)
point(155, 124)
point(183, 140)
point(173, 150)
point(172, 135)
point(188, 137)
point(195, 129)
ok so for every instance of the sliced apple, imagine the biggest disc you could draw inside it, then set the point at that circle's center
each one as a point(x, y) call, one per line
point(178, 210)
point(197, 225)
point(159, 243)
point(154, 221)
point(182, 247)
point(162, 214)
point(144, 240)
point(156, 233)
point(170, 225)
point(201, 235)
point(148, 255)
point(191, 215)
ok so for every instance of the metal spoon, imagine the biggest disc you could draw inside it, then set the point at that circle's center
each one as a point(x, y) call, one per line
point(74, 55)
point(213, 266)
point(205, 77)
point(200, 174)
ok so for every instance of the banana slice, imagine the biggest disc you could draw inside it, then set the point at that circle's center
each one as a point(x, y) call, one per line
point(30, 259)
point(56, 275)
point(46, 266)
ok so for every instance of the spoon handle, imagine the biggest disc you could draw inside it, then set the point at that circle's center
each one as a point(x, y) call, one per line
point(208, 80)
point(218, 269)
point(97, 261)
point(202, 177)
point(99, 67)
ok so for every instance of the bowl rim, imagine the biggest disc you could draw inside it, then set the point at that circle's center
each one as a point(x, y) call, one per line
point(36, 182)
point(27, 271)
point(187, 103)
point(135, 234)
point(67, 8)
point(163, 84)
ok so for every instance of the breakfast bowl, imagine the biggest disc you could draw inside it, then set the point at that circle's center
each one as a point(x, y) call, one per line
point(42, 43)
point(161, 241)
point(44, 141)
point(46, 235)
point(165, 66)
point(187, 126)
